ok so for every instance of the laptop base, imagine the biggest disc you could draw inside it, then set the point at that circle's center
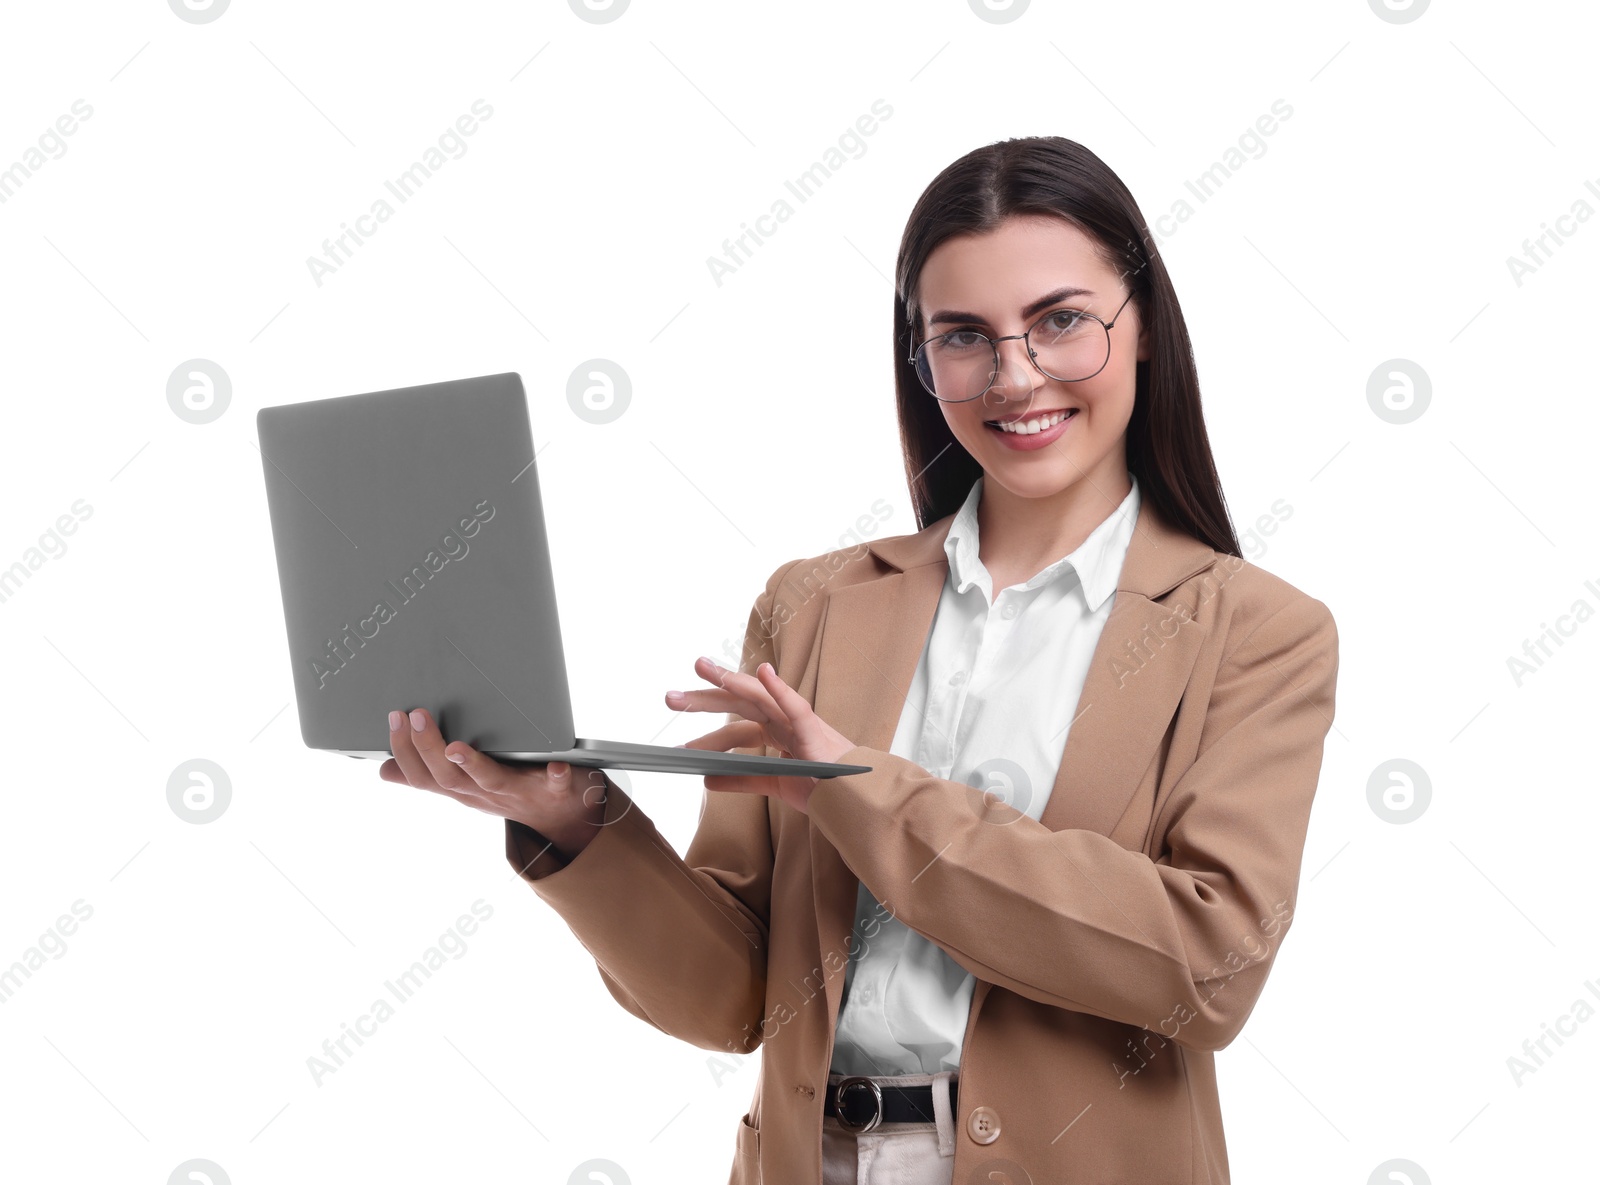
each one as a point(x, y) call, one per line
point(666, 759)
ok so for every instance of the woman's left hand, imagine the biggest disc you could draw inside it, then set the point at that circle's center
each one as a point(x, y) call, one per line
point(775, 715)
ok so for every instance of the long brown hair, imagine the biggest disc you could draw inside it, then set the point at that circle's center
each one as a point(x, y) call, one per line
point(1167, 448)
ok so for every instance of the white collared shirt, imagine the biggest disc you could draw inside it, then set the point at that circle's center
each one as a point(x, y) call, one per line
point(990, 705)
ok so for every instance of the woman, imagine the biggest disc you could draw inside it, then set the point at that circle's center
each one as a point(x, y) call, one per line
point(1010, 950)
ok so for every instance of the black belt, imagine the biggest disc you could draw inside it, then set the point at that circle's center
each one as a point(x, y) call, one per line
point(860, 1104)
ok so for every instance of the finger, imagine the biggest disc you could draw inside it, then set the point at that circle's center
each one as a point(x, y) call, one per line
point(742, 783)
point(789, 701)
point(738, 734)
point(391, 771)
point(712, 699)
point(487, 774)
point(746, 688)
point(429, 744)
point(420, 776)
point(748, 699)
point(405, 753)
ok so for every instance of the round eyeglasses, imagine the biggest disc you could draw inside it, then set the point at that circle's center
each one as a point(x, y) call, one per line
point(1066, 344)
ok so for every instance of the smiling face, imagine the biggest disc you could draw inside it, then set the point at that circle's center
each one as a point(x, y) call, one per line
point(1002, 282)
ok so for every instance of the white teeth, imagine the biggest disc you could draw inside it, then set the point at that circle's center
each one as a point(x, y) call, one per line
point(1037, 424)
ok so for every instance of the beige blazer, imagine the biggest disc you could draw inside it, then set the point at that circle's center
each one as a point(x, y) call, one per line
point(1118, 942)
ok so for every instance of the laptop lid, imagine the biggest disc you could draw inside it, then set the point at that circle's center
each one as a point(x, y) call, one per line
point(414, 566)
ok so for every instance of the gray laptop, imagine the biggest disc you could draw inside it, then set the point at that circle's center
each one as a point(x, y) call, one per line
point(415, 572)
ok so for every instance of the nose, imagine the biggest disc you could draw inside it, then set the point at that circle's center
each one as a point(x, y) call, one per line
point(1015, 379)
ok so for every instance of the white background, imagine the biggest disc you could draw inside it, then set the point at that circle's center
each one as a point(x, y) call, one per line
point(1375, 225)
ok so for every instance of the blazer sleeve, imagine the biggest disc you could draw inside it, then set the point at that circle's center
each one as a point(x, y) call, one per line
point(680, 942)
point(1180, 945)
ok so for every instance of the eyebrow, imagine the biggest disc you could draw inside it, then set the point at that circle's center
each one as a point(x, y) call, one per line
point(944, 316)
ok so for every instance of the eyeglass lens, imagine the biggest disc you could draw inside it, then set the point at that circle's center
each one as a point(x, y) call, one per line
point(1066, 345)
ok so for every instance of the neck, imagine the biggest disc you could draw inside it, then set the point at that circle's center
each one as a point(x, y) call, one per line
point(1027, 534)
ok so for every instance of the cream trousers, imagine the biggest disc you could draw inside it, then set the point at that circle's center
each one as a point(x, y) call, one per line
point(894, 1153)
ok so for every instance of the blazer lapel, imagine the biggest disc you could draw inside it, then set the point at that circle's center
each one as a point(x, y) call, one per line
point(871, 639)
point(1137, 675)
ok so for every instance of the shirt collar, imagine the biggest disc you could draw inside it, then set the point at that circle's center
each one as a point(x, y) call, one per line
point(1097, 561)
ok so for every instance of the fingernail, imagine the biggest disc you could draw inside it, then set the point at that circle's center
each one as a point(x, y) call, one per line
point(458, 758)
point(707, 661)
point(674, 695)
point(419, 720)
point(394, 721)
point(559, 768)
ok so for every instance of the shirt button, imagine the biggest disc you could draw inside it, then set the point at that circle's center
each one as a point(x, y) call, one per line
point(1009, 611)
point(983, 1125)
point(957, 679)
point(866, 994)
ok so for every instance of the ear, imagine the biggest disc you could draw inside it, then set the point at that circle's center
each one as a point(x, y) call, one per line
point(1144, 341)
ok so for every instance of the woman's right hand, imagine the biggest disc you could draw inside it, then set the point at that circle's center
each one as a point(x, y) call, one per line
point(562, 804)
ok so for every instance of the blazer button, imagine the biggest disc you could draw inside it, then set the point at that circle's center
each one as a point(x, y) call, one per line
point(983, 1125)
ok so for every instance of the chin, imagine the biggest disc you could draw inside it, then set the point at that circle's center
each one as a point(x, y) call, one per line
point(1033, 480)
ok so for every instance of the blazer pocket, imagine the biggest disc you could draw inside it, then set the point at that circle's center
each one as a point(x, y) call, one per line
point(747, 1158)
